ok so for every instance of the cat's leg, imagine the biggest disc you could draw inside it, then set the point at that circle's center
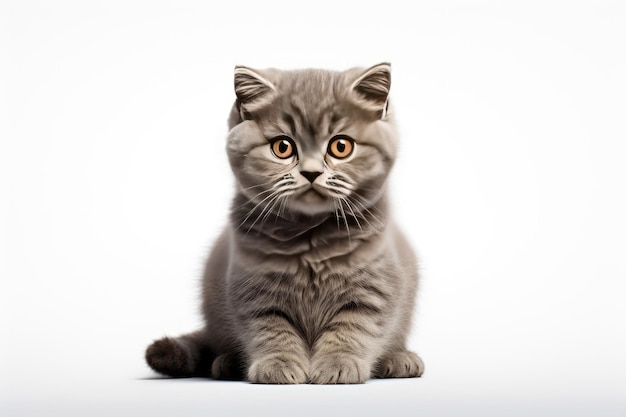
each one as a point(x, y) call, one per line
point(183, 356)
point(348, 346)
point(277, 352)
point(399, 363)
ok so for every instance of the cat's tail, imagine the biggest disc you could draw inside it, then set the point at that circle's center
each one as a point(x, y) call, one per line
point(184, 356)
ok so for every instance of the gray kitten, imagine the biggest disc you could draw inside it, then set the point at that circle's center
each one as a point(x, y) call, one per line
point(311, 281)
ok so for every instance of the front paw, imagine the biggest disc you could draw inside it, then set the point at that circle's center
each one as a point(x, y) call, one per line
point(402, 364)
point(339, 369)
point(277, 370)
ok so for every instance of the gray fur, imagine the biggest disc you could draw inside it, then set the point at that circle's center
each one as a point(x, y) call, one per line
point(309, 282)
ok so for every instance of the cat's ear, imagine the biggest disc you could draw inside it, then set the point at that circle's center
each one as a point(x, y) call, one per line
point(371, 89)
point(253, 90)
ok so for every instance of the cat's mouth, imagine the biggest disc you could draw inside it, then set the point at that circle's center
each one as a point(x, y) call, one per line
point(312, 198)
point(312, 192)
point(321, 191)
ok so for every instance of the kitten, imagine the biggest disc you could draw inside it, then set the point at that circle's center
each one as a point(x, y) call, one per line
point(311, 282)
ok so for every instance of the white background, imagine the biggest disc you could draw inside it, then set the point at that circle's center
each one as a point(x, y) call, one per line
point(510, 183)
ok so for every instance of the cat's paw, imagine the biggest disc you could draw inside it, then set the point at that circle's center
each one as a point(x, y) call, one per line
point(169, 357)
point(277, 370)
point(401, 364)
point(339, 369)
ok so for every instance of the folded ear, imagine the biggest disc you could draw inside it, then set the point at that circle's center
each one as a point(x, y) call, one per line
point(253, 90)
point(371, 88)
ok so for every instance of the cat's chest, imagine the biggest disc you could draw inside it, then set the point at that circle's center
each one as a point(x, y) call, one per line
point(310, 295)
point(309, 287)
point(314, 297)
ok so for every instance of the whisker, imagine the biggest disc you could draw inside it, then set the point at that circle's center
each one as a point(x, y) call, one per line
point(252, 199)
point(345, 220)
point(336, 213)
point(268, 205)
point(280, 201)
point(360, 201)
point(337, 191)
point(340, 183)
point(274, 192)
point(274, 203)
point(343, 177)
point(256, 186)
point(352, 211)
point(337, 182)
point(284, 181)
point(281, 206)
point(372, 215)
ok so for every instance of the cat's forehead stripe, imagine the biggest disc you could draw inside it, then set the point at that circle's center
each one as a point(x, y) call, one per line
point(305, 125)
point(291, 122)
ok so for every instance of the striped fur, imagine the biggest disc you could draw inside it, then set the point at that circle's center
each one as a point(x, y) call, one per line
point(311, 281)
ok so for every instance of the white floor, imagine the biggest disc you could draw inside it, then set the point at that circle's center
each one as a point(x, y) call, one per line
point(111, 380)
point(429, 396)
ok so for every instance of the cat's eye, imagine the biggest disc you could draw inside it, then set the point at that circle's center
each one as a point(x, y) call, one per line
point(283, 147)
point(341, 146)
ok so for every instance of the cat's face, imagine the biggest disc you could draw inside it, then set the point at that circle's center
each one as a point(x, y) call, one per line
point(312, 141)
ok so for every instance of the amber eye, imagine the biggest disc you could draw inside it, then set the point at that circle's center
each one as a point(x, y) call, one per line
point(283, 147)
point(341, 146)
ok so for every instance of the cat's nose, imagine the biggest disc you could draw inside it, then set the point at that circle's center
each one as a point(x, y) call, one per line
point(310, 175)
point(311, 167)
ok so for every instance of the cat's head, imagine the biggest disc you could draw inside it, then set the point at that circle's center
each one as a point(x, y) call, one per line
point(312, 141)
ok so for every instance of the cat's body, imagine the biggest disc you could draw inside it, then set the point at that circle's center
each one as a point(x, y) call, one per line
point(311, 281)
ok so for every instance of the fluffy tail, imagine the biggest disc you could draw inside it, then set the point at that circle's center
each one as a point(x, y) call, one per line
point(183, 356)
